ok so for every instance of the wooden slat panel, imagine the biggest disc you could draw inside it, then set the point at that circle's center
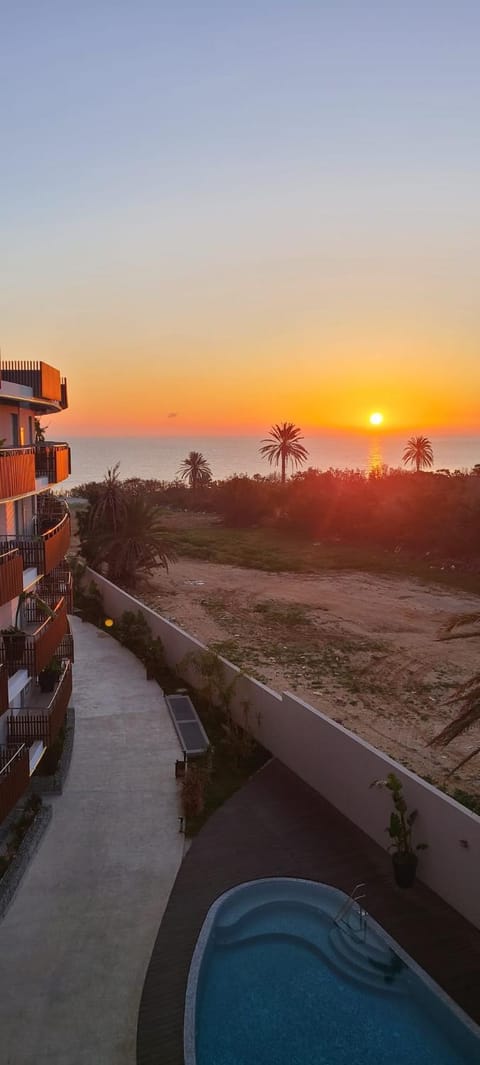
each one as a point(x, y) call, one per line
point(11, 575)
point(50, 386)
point(62, 462)
point(56, 543)
point(49, 636)
point(17, 472)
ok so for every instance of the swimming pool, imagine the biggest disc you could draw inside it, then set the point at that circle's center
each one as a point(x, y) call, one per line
point(275, 981)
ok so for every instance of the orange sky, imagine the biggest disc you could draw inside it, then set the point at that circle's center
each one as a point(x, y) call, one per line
point(244, 216)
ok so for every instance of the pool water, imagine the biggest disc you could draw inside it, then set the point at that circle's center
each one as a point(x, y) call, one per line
point(280, 984)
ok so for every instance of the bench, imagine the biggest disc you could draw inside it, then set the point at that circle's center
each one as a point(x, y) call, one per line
point(190, 731)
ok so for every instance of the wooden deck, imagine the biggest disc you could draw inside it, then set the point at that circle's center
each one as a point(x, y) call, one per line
point(278, 826)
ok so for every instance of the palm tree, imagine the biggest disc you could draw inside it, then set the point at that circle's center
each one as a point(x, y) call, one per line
point(418, 453)
point(195, 470)
point(109, 509)
point(468, 697)
point(284, 446)
point(137, 543)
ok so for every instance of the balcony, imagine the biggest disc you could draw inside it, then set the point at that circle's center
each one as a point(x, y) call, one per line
point(48, 549)
point(57, 583)
point(11, 575)
point(33, 650)
point(14, 776)
point(43, 720)
point(48, 391)
point(53, 462)
point(4, 688)
point(17, 471)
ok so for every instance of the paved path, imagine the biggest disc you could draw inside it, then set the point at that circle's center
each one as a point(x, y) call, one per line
point(76, 941)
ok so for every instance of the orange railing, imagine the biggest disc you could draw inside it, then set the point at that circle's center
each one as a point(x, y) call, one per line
point(42, 724)
point(11, 575)
point(46, 550)
point(33, 652)
point(17, 471)
point(43, 379)
point(52, 461)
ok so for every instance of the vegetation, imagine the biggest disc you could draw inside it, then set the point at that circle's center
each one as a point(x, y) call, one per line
point(401, 823)
point(284, 446)
point(17, 831)
point(195, 470)
point(40, 431)
point(418, 453)
point(122, 533)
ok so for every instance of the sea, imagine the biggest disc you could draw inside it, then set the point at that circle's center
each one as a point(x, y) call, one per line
point(159, 457)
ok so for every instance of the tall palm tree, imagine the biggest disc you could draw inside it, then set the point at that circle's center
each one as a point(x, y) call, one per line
point(418, 453)
point(283, 446)
point(195, 470)
point(109, 509)
point(137, 544)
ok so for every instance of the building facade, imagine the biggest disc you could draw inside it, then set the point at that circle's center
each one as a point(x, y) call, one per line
point(36, 647)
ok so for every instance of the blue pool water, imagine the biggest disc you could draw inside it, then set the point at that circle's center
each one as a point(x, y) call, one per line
point(275, 982)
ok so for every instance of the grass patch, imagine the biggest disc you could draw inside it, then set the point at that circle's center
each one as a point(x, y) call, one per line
point(274, 552)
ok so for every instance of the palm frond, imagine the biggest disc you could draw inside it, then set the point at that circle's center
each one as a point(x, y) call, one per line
point(468, 695)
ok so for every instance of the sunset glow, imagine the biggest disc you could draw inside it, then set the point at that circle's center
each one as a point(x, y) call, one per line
point(255, 233)
point(376, 418)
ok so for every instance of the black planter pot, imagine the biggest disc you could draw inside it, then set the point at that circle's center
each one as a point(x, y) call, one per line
point(404, 869)
point(47, 680)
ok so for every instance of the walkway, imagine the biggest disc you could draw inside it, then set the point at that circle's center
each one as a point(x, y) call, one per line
point(75, 943)
point(277, 826)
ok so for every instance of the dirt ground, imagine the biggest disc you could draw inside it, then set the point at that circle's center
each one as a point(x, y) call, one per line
point(361, 648)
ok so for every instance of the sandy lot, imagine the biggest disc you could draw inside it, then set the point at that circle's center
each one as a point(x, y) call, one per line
point(363, 649)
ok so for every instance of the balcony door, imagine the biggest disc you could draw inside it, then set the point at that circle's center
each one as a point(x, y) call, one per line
point(20, 518)
point(15, 431)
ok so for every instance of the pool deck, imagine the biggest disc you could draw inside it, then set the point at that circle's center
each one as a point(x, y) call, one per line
point(277, 826)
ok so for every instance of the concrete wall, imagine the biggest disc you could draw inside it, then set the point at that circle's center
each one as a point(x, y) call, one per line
point(339, 765)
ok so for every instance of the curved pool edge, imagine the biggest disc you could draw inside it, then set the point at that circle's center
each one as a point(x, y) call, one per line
point(326, 892)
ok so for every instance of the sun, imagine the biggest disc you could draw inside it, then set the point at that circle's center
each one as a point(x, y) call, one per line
point(376, 418)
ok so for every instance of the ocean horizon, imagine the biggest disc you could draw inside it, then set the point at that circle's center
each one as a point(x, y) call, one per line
point(159, 457)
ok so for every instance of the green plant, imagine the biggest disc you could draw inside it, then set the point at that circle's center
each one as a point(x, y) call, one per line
point(401, 822)
point(193, 790)
point(33, 598)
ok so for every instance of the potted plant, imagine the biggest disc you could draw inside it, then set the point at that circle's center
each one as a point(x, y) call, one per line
point(48, 677)
point(400, 829)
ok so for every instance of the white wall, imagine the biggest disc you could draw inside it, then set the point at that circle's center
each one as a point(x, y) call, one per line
point(340, 766)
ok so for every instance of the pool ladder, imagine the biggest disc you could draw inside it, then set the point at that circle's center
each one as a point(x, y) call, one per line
point(349, 907)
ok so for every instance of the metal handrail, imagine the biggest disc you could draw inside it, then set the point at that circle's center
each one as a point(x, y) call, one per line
point(3, 768)
point(347, 906)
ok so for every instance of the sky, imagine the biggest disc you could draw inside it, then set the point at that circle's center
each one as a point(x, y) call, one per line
point(215, 216)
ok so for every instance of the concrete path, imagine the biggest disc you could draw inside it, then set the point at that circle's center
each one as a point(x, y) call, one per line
point(76, 941)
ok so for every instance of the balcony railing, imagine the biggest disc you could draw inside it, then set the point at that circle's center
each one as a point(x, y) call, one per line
point(53, 462)
point(17, 471)
point(43, 723)
point(46, 550)
point(44, 380)
point(33, 651)
point(14, 776)
point(57, 583)
point(3, 688)
point(11, 575)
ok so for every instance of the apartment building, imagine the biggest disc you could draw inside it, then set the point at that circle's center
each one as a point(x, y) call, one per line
point(36, 647)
